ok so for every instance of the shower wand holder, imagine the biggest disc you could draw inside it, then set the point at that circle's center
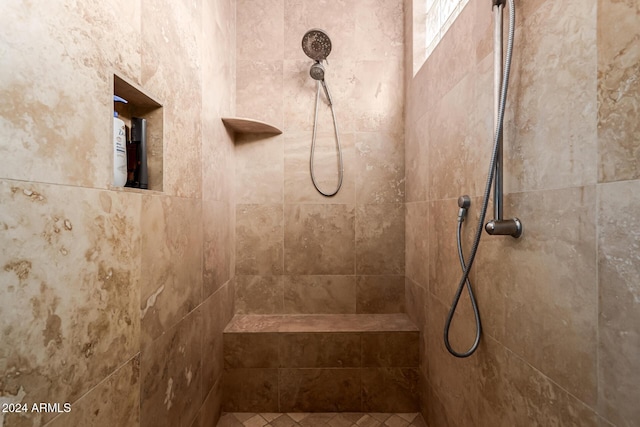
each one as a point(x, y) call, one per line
point(504, 227)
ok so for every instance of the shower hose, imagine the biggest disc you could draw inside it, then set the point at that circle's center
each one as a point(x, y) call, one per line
point(466, 266)
point(313, 143)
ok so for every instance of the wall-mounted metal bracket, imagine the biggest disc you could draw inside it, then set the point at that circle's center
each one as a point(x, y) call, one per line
point(504, 227)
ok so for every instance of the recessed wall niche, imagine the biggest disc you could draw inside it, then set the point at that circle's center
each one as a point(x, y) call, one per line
point(142, 105)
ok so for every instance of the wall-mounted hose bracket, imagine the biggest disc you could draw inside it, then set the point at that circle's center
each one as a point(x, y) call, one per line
point(504, 227)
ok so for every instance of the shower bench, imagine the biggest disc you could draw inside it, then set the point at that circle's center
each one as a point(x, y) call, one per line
point(320, 363)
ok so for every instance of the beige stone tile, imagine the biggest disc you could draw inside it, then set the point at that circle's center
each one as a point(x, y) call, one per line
point(298, 187)
point(319, 239)
point(218, 159)
point(259, 240)
point(320, 350)
point(379, 93)
point(416, 152)
point(251, 350)
point(319, 294)
point(418, 422)
point(259, 294)
point(416, 236)
point(483, 27)
point(60, 127)
point(408, 416)
point(380, 294)
point(229, 420)
point(339, 421)
point(283, 420)
point(390, 389)
point(259, 169)
point(380, 415)
point(182, 167)
point(270, 416)
point(260, 29)
point(457, 397)
point(380, 168)
point(243, 416)
point(114, 400)
point(171, 66)
point(352, 417)
point(172, 262)
point(317, 419)
point(214, 320)
point(434, 411)
point(618, 91)
point(256, 421)
point(459, 148)
point(390, 349)
point(513, 391)
point(70, 273)
point(379, 29)
point(300, 92)
point(210, 411)
point(396, 421)
point(297, 416)
point(259, 91)
point(368, 421)
point(546, 282)
point(417, 308)
point(551, 124)
point(218, 245)
point(250, 389)
point(319, 390)
point(619, 298)
point(218, 98)
point(604, 423)
point(380, 239)
point(219, 22)
point(171, 372)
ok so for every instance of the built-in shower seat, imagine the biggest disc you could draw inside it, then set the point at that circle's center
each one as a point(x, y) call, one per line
point(321, 363)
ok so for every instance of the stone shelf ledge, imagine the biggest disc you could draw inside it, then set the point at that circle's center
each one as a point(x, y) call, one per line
point(245, 125)
point(320, 323)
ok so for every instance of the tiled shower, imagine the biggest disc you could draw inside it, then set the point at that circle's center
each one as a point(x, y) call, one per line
point(115, 300)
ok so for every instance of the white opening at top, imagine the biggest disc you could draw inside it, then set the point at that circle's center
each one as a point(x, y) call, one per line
point(431, 20)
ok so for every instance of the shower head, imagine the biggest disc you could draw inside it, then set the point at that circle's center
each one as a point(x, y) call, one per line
point(317, 71)
point(316, 44)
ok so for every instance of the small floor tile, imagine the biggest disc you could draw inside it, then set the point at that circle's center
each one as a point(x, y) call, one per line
point(321, 419)
point(396, 421)
point(243, 416)
point(256, 421)
point(408, 416)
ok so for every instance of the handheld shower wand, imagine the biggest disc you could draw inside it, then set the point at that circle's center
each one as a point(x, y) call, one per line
point(316, 44)
point(317, 73)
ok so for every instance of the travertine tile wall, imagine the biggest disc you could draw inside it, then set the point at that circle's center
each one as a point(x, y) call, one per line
point(114, 300)
point(297, 251)
point(560, 305)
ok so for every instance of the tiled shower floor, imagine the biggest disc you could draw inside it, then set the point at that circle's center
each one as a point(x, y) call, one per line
point(317, 419)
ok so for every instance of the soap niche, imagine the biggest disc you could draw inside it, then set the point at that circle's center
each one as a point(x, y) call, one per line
point(142, 105)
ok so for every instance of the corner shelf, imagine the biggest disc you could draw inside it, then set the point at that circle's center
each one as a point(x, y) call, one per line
point(244, 125)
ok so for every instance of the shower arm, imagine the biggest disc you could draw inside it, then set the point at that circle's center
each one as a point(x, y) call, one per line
point(499, 226)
